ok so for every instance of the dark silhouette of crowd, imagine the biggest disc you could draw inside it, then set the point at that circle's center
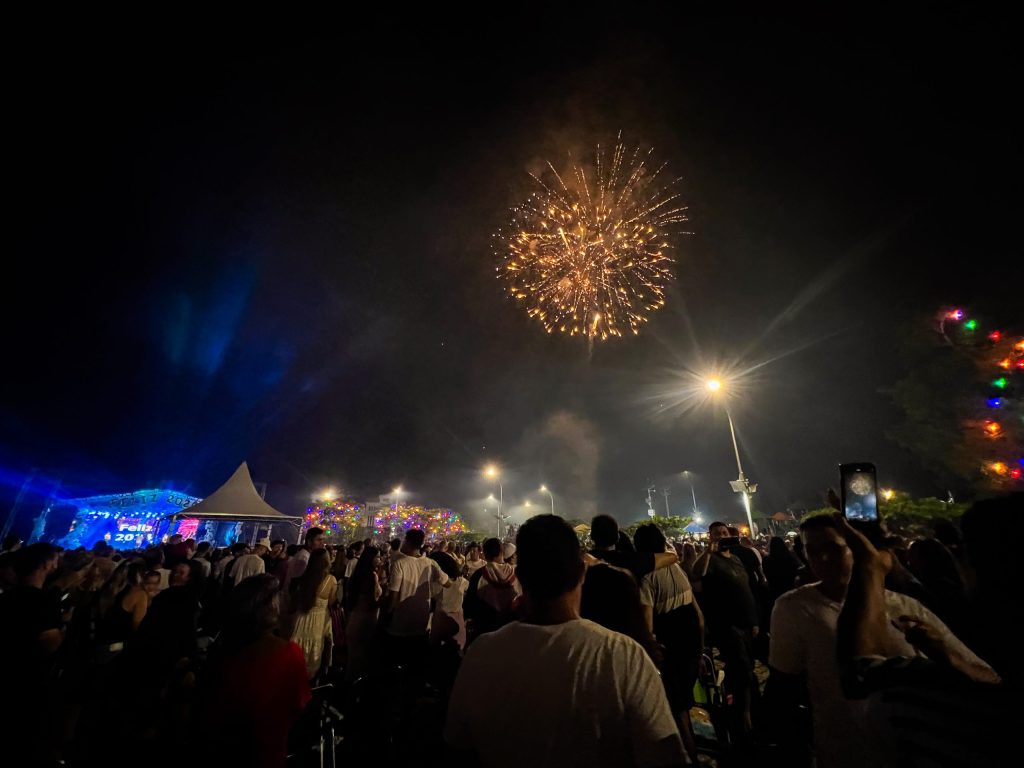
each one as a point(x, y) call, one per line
point(842, 644)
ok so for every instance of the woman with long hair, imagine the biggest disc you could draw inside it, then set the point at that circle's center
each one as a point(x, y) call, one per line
point(311, 595)
point(362, 603)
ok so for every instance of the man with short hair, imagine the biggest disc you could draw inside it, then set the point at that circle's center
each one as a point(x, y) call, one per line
point(473, 560)
point(411, 580)
point(493, 591)
point(803, 645)
point(251, 564)
point(275, 555)
point(202, 556)
point(571, 691)
point(604, 532)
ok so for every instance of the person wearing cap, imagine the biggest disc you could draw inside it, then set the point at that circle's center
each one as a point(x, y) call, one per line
point(251, 564)
point(508, 552)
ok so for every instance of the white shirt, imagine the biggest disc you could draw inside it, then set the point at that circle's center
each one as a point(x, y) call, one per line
point(666, 589)
point(572, 694)
point(803, 641)
point(411, 578)
point(350, 567)
point(296, 567)
point(449, 599)
point(472, 566)
point(247, 565)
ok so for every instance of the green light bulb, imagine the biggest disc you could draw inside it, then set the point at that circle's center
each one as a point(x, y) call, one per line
point(1000, 383)
point(970, 325)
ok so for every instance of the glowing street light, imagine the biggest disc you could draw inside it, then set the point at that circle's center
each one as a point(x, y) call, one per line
point(544, 489)
point(328, 494)
point(741, 484)
point(491, 472)
point(888, 494)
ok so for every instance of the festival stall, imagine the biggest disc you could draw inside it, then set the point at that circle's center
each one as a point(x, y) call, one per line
point(234, 512)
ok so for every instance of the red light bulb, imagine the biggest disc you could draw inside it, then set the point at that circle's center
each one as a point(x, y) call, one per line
point(995, 336)
point(1015, 474)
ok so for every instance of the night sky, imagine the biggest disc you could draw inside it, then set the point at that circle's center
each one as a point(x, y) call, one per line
point(279, 249)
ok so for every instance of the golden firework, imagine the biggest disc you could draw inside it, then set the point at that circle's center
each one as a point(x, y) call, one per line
point(592, 257)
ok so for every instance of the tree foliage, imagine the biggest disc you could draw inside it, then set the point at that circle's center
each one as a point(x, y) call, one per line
point(949, 400)
point(672, 527)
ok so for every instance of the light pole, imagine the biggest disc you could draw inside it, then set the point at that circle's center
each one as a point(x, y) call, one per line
point(668, 513)
point(492, 472)
point(544, 489)
point(693, 493)
point(741, 484)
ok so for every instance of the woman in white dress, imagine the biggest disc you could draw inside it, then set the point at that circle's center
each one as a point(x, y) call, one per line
point(311, 595)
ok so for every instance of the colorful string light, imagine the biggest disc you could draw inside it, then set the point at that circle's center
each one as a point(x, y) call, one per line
point(1008, 357)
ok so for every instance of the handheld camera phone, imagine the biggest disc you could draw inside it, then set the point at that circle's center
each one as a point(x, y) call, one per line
point(858, 491)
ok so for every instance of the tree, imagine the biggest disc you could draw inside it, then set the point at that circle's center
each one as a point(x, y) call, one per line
point(961, 401)
point(673, 526)
point(907, 516)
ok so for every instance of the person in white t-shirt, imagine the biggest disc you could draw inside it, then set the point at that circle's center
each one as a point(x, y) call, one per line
point(473, 561)
point(567, 692)
point(803, 646)
point(407, 605)
point(448, 622)
point(251, 564)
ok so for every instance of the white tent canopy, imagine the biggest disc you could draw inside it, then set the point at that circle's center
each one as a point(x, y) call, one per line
point(237, 500)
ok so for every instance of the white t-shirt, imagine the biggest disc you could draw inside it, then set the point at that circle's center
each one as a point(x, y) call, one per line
point(412, 578)
point(449, 599)
point(803, 642)
point(572, 694)
point(247, 565)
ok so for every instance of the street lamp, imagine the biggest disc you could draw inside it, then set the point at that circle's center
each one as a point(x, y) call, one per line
point(544, 489)
point(491, 472)
point(741, 484)
point(688, 476)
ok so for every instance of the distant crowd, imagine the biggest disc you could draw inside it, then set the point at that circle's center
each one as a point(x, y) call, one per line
point(843, 646)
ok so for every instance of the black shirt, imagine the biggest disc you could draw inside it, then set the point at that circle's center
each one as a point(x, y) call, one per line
point(25, 613)
point(726, 598)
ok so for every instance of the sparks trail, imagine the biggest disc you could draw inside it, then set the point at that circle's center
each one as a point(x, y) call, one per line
point(591, 257)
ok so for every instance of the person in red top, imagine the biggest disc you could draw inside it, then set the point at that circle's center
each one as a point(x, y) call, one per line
point(256, 686)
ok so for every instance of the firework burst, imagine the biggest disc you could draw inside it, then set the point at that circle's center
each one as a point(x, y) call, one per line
point(591, 257)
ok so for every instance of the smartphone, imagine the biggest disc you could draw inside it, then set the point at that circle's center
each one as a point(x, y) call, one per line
point(728, 542)
point(859, 491)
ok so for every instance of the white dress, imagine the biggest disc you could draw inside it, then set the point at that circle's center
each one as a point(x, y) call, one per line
point(312, 629)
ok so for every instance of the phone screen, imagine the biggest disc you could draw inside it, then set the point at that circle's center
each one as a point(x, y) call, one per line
point(860, 491)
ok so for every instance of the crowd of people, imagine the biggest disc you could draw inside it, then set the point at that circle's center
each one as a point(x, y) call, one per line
point(843, 646)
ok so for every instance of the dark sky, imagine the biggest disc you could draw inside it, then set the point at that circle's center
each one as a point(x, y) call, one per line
point(278, 248)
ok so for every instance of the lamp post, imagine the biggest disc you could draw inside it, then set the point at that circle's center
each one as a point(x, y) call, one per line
point(686, 473)
point(492, 473)
point(741, 484)
point(544, 489)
